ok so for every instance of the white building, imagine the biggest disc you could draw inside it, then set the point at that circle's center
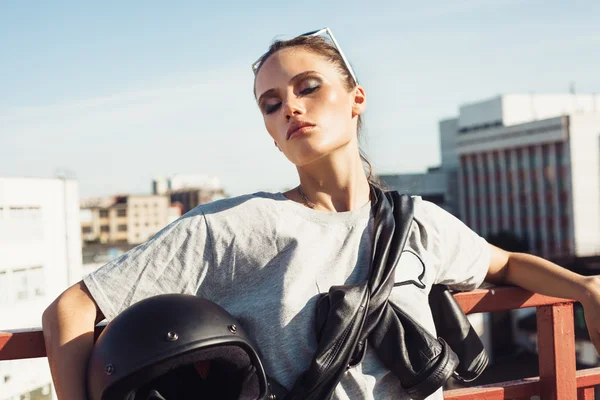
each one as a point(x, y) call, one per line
point(163, 185)
point(40, 256)
point(530, 164)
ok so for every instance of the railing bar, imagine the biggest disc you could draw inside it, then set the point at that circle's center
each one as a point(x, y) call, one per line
point(519, 389)
point(502, 298)
point(588, 377)
point(29, 343)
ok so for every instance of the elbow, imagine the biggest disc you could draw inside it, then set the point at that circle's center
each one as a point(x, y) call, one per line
point(499, 268)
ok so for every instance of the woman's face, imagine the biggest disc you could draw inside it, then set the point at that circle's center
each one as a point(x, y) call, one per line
point(297, 88)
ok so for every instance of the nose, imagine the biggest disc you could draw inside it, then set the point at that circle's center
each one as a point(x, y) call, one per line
point(293, 107)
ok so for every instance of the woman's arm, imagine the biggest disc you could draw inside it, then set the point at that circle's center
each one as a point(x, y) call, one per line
point(68, 325)
point(542, 276)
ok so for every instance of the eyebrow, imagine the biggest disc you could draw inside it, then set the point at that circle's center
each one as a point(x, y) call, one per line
point(294, 79)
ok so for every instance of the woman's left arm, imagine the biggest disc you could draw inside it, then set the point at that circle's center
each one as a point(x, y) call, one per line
point(544, 277)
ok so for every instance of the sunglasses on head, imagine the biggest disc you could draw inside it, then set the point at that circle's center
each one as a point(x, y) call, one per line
point(325, 32)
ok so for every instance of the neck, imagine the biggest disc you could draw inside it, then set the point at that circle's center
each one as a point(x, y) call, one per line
point(337, 182)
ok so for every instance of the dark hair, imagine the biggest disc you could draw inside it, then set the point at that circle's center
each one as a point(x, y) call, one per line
point(322, 47)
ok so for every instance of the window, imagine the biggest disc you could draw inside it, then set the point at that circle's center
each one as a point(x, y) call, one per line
point(4, 288)
point(104, 228)
point(86, 229)
point(21, 285)
point(103, 213)
point(122, 228)
point(122, 213)
point(36, 279)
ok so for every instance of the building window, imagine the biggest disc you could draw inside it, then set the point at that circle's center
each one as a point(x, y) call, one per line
point(4, 288)
point(21, 286)
point(103, 213)
point(122, 213)
point(86, 229)
point(104, 228)
point(122, 228)
point(36, 278)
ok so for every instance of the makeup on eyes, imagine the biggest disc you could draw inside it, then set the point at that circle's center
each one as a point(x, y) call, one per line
point(306, 86)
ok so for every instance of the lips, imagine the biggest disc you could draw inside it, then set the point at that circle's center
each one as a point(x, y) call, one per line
point(297, 127)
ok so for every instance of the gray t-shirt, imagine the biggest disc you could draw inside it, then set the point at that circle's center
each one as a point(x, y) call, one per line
point(266, 259)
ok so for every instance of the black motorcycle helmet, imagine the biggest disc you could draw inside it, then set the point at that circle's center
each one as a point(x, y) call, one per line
point(152, 350)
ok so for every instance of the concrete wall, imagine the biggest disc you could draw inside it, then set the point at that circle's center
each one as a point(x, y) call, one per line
point(520, 108)
point(40, 256)
point(514, 109)
point(530, 133)
point(430, 183)
point(480, 113)
point(146, 216)
point(585, 174)
point(448, 133)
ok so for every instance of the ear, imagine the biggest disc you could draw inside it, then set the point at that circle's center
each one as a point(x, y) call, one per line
point(359, 103)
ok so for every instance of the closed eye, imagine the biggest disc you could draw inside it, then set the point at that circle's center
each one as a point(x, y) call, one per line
point(271, 108)
point(309, 90)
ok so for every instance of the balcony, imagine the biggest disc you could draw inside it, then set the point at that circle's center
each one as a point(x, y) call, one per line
point(558, 380)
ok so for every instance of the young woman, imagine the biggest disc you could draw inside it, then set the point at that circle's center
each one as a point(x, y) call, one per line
point(265, 257)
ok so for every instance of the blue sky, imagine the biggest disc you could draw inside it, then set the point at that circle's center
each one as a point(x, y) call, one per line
point(118, 92)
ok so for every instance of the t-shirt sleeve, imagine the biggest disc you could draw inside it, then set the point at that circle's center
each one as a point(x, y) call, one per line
point(175, 260)
point(461, 257)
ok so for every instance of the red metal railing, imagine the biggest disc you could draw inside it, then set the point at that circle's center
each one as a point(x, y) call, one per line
point(558, 378)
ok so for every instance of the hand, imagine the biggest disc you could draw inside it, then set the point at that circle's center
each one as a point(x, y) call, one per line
point(591, 308)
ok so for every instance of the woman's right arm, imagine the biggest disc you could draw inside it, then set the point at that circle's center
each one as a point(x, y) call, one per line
point(68, 325)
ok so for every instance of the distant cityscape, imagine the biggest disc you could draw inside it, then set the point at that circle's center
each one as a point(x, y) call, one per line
point(521, 170)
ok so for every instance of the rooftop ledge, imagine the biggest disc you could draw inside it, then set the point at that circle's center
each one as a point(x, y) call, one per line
point(558, 380)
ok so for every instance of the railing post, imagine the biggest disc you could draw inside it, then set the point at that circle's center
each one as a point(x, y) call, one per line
point(585, 393)
point(556, 352)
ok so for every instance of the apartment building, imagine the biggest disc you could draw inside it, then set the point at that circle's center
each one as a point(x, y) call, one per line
point(40, 256)
point(530, 164)
point(129, 219)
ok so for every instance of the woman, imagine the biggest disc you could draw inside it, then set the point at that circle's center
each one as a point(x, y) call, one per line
point(265, 257)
